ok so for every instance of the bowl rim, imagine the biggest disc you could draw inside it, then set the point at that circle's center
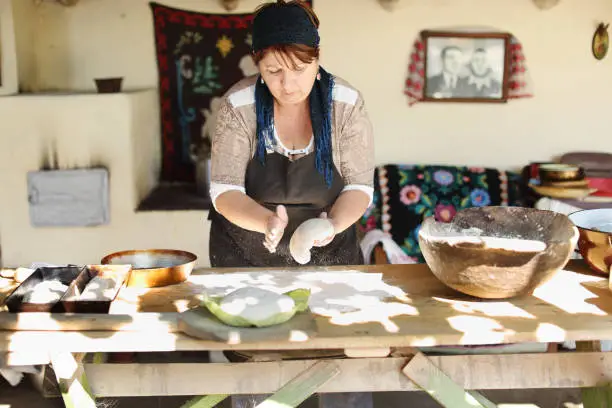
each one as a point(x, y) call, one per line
point(584, 210)
point(551, 166)
point(106, 260)
point(573, 239)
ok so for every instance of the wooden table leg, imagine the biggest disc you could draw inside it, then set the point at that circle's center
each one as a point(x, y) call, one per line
point(72, 380)
point(595, 397)
point(291, 394)
point(303, 386)
point(440, 387)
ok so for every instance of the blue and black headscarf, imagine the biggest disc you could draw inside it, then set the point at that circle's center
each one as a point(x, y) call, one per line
point(290, 24)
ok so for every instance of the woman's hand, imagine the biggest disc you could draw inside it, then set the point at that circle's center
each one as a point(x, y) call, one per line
point(329, 238)
point(275, 228)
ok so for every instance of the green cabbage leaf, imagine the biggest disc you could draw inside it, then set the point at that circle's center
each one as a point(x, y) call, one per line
point(255, 307)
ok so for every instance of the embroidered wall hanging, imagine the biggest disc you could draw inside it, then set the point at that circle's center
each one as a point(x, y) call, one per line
point(199, 57)
point(467, 65)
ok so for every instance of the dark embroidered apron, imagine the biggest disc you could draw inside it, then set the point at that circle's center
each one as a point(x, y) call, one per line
point(302, 190)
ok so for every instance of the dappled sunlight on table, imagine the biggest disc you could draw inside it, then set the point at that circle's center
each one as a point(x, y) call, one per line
point(547, 331)
point(555, 292)
point(428, 341)
point(347, 298)
point(492, 309)
point(477, 328)
point(382, 312)
point(234, 337)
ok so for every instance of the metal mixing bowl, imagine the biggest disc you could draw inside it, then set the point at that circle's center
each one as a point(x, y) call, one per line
point(595, 242)
point(154, 267)
point(521, 249)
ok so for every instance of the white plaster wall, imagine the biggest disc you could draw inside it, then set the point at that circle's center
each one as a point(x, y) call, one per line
point(84, 130)
point(369, 46)
point(361, 42)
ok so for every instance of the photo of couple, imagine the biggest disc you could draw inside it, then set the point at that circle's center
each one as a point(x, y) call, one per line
point(465, 68)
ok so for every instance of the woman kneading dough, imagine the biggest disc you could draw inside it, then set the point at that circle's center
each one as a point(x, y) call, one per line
point(292, 154)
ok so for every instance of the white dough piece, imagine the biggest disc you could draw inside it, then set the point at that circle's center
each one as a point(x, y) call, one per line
point(305, 236)
point(100, 288)
point(256, 304)
point(13, 377)
point(7, 273)
point(45, 292)
point(22, 274)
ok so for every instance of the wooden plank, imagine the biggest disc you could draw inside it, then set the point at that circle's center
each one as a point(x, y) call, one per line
point(72, 381)
point(439, 386)
point(34, 357)
point(571, 306)
point(474, 372)
point(164, 322)
point(599, 396)
point(367, 352)
point(37, 357)
point(303, 386)
point(326, 338)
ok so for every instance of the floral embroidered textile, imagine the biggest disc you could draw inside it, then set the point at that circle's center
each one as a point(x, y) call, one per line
point(405, 195)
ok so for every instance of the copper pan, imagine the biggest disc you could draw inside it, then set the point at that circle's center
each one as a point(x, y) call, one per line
point(154, 267)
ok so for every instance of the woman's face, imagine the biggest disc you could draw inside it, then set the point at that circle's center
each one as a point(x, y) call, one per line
point(288, 79)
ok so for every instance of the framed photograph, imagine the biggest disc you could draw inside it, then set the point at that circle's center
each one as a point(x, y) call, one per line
point(466, 67)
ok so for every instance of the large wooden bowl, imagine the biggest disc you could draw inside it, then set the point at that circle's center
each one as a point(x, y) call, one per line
point(595, 243)
point(498, 252)
point(154, 267)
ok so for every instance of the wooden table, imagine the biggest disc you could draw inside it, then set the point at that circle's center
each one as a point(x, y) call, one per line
point(574, 305)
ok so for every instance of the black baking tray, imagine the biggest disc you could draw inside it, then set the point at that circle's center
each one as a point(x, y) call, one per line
point(71, 302)
point(65, 274)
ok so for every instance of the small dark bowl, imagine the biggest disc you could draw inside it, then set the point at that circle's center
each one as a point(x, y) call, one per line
point(551, 172)
point(109, 85)
point(595, 242)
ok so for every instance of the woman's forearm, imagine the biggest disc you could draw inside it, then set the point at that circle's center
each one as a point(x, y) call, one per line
point(243, 211)
point(348, 208)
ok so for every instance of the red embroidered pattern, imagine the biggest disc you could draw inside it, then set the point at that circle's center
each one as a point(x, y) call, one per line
point(518, 82)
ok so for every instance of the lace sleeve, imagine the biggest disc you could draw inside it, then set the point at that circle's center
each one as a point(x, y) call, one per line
point(231, 147)
point(357, 148)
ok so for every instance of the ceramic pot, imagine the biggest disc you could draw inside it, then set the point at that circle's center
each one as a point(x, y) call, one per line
point(595, 242)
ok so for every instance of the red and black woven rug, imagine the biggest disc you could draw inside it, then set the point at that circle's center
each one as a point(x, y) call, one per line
point(199, 57)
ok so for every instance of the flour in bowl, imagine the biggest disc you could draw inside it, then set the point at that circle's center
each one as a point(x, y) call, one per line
point(509, 244)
